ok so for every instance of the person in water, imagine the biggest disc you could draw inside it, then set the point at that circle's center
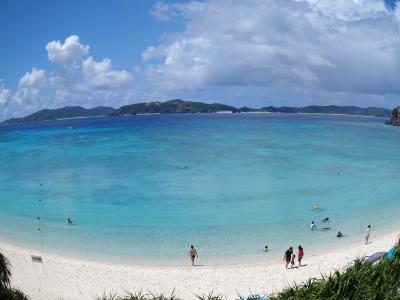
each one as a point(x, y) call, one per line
point(288, 256)
point(312, 226)
point(265, 248)
point(367, 232)
point(339, 234)
point(325, 220)
point(69, 221)
point(193, 254)
point(300, 254)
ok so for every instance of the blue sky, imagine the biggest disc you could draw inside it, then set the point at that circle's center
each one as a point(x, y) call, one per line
point(253, 52)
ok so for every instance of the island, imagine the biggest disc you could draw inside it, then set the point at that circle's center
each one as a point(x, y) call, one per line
point(395, 118)
point(172, 106)
point(68, 112)
point(181, 106)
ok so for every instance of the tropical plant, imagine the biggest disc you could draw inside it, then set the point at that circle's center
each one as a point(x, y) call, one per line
point(5, 272)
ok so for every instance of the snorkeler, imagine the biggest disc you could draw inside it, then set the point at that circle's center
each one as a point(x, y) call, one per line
point(313, 226)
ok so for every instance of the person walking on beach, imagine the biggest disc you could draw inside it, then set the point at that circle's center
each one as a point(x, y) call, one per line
point(288, 256)
point(300, 254)
point(193, 254)
point(367, 232)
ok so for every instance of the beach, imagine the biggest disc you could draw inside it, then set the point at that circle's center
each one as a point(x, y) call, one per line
point(69, 278)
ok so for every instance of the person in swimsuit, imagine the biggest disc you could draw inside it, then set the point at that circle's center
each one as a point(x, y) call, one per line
point(288, 256)
point(300, 254)
point(313, 226)
point(69, 221)
point(367, 232)
point(193, 254)
point(339, 234)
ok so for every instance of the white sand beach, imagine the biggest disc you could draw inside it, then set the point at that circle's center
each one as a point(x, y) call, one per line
point(67, 278)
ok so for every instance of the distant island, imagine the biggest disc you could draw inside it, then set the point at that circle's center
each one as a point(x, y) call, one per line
point(181, 106)
point(67, 112)
point(395, 118)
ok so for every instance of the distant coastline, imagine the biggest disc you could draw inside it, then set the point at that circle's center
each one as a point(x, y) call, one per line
point(181, 106)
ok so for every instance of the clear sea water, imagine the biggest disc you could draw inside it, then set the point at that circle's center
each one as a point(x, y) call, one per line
point(141, 189)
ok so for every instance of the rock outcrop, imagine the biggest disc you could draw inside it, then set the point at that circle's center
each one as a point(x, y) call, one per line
point(395, 119)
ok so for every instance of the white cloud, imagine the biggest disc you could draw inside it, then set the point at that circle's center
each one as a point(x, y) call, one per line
point(334, 47)
point(34, 79)
point(166, 12)
point(81, 81)
point(101, 75)
point(5, 95)
point(69, 54)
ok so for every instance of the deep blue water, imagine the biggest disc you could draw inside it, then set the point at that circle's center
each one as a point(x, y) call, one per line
point(143, 188)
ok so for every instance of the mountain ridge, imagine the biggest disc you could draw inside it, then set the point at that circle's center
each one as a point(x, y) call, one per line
point(182, 106)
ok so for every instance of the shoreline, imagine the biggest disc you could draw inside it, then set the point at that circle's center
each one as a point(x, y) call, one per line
point(217, 112)
point(72, 278)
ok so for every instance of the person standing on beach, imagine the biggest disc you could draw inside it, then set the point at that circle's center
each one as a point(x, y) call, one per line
point(288, 256)
point(300, 254)
point(193, 254)
point(367, 232)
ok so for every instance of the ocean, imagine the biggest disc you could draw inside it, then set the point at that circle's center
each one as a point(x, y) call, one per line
point(142, 189)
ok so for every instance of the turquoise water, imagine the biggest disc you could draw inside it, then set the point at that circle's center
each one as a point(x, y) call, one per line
point(141, 189)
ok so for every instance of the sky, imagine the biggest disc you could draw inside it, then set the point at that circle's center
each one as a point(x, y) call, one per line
point(241, 52)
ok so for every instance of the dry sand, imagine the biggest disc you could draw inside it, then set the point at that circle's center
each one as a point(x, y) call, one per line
point(68, 278)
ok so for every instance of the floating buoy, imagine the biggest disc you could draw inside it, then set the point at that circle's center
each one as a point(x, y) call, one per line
point(316, 207)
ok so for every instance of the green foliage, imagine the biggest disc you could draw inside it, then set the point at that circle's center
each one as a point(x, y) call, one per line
point(5, 272)
point(6, 292)
point(137, 296)
point(210, 296)
point(12, 294)
point(362, 280)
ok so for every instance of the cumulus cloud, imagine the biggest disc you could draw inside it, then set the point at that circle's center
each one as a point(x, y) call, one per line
point(80, 81)
point(5, 95)
point(34, 79)
point(101, 75)
point(68, 54)
point(329, 46)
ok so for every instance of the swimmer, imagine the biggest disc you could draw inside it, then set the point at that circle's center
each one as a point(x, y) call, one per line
point(265, 248)
point(339, 234)
point(69, 221)
point(313, 226)
point(325, 220)
point(326, 228)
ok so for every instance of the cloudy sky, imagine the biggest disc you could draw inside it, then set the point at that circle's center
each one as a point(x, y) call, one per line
point(241, 52)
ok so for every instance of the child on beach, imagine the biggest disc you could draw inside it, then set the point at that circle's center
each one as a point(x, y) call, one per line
point(292, 261)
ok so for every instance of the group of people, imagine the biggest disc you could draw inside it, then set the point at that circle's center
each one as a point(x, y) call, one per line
point(290, 257)
point(314, 227)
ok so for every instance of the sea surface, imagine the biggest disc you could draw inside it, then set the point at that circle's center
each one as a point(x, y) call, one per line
point(142, 189)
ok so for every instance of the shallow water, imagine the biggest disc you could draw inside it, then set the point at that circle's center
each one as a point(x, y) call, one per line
point(143, 188)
